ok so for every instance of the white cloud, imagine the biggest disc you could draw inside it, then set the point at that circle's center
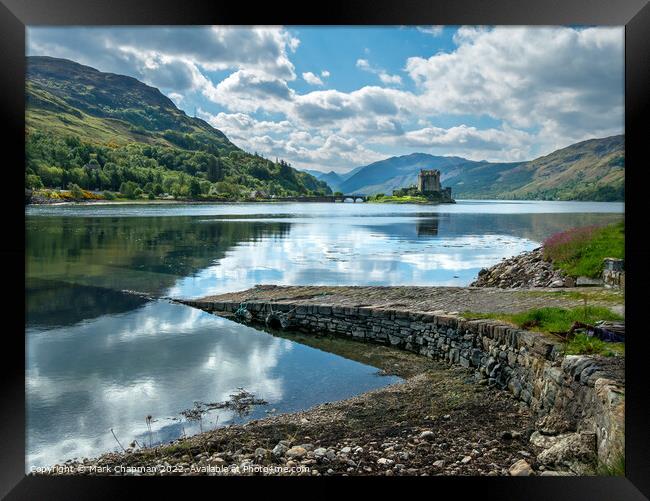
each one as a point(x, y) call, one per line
point(311, 79)
point(566, 82)
point(176, 97)
point(435, 30)
point(363, 64)
point(150, 52)
point(471, 142)
point(390, 79)
point(385, 77)
point(249, 91)
point(541, 88)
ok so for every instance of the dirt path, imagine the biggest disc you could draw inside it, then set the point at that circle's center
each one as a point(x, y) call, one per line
point(443, 299)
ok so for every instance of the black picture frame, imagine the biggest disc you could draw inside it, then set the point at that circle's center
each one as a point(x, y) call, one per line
point(634, 14)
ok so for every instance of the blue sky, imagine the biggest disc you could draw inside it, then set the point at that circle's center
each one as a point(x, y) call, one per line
point(333, 98)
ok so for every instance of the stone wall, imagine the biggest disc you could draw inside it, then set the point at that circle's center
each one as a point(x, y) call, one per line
point(613, 273)
point(566, 393)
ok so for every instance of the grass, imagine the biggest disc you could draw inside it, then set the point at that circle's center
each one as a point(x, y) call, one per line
point(580, 251)
point(615, 469)
point(581, 344)
point(407, 199)
point(551, 319)
point(599, 295)
point(559, 320)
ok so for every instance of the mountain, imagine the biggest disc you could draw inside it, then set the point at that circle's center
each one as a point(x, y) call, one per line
point(588, 170)
point(396, 172)
point(333, 180)
point(103, 131)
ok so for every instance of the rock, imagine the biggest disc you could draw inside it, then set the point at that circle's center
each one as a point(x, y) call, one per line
point(385, 461)
point(296, 452)
point(550, 473)
point(466, 459)
point(520, 469)
point(260, 452)
point(346, 450)
point(320, 452)
point(528, 269)
point(575, 451)
point(586, 281)
point(280, 449)
point(446, 417)
point(438, 464)
point(427, 435)
point(544, 441)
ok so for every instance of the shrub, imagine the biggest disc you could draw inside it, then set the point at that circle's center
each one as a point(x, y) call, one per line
point(581, 251)
point(75, 191)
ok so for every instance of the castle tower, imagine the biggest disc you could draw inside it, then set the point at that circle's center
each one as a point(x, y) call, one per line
point(429, 181)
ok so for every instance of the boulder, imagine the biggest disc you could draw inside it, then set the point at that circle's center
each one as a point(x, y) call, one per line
point(574, 451)
point(521, 469)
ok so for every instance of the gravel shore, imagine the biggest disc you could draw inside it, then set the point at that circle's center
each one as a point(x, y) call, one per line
point(439, 421)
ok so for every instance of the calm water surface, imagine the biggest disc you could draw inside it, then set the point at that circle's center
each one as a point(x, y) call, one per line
point(98, 358)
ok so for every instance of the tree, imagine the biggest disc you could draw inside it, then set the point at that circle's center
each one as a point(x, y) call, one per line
point(195, 188)
point(75, 190)
point(214, 170)
point(33, 181)
point(128, 189)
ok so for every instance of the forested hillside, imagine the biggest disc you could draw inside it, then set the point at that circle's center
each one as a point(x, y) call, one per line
point(106, 132)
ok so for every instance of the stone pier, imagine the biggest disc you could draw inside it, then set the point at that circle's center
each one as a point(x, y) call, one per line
point(571, 396)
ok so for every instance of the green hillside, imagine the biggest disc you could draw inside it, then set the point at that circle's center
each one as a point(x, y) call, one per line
point(589, 170)
point(110, 132)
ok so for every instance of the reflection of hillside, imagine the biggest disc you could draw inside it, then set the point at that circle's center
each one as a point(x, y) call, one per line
point(78, 265)
point(55, 303)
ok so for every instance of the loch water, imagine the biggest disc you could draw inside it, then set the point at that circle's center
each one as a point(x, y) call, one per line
point(99, 358)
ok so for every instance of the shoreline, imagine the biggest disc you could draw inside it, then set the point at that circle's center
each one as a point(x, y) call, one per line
point(272, 201)
point(419, 426)
point(445, 418)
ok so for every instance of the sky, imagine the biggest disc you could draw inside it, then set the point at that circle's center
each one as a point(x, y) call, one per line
point(335, 98)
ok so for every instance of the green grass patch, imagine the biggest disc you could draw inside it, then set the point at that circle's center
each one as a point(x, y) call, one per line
point(581, 344)
point(559, 320)
point(550, 319)
point(554, 319)
point(581, 251)
point(407, 199)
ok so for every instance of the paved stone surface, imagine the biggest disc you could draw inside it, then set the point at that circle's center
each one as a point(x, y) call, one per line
point(430, 299)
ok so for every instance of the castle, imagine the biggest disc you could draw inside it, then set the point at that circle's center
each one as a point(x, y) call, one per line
point(429, 181)
point(429, 187)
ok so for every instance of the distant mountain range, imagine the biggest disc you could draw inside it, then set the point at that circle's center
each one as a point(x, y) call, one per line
point(588, 170)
